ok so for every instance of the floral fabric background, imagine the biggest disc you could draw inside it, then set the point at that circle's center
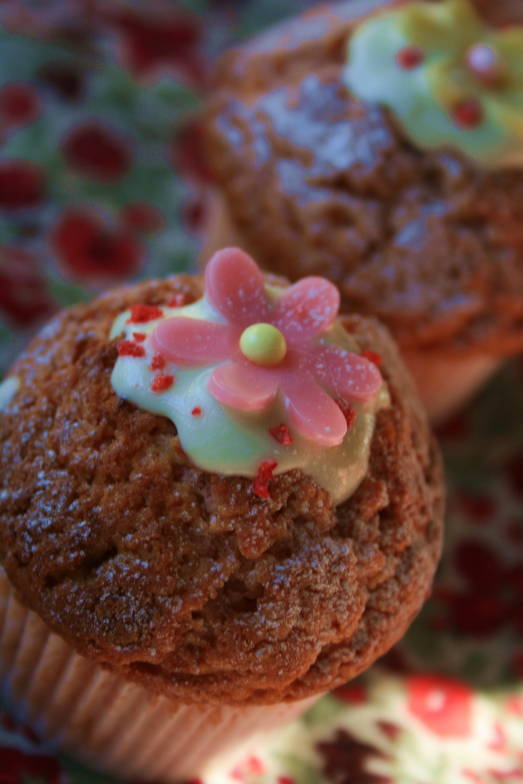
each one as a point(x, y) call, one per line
point(102, 181)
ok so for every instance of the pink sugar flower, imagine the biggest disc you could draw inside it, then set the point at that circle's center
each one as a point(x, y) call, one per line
point(263, 349)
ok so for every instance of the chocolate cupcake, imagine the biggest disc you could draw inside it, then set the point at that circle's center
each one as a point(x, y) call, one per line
point(381, 144)
point(217, 503)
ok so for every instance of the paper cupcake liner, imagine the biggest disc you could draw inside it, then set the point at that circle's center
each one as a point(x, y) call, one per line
point(446, 381)
point(107, 721)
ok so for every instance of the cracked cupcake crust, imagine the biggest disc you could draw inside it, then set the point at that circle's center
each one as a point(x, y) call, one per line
point(318, 182)
point(186, 581)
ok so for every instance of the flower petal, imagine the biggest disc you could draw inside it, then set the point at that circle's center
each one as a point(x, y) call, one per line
point(234, 285)
point(306, 308)
point(243, 386)
point(312, 412)
point(348, 375)
point(192, 342)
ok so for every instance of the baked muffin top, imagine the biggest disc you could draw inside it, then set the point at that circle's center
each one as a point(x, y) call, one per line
point(187, 580)
point(317, 180)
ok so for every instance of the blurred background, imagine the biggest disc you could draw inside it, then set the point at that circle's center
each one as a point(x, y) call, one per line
point(102, 181)
point(102, 178)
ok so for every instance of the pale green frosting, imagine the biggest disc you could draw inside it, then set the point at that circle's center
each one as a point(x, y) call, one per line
point(424, 98)
point(8, 390)
point(229, 442)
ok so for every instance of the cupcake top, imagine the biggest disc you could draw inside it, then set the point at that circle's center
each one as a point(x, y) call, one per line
point(209, 582)
point(450, 78)
point(404, 186)
point(258, 379)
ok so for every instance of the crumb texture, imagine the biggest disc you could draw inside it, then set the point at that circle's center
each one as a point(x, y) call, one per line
point(318, 182)
point(183, 580)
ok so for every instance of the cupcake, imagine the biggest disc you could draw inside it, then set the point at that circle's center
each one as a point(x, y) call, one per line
point(219, 500)
point(381, 144)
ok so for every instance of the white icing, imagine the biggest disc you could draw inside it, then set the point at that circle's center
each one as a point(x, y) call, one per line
point(8, 390)
point(233, 443)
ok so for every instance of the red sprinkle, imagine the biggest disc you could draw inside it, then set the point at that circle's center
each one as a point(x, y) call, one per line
point(281, 434)
point(158, 362)
point(468, 113)
point(177, 300)
point(372, 356)
point(410, 57)
point(349, 324)
point(126, 348)
point(197, 411)
point(161, 382)
point(348, 412)
point(261, 481)
point(139, 336)
point(140, 314)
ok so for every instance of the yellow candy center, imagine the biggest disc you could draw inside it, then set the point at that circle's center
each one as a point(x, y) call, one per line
point(263, 344)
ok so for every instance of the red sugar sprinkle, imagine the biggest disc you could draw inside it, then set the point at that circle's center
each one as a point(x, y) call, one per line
point(158, 362)
point(161, 382)
point(410, 57)
point(281, 434)
point(177, 300)
point(261, 481)
point(139, 336)
point(197, 411)
point(140, 314)
point(348, 412)
point(349, 324)
point(372, 356)
point(468, 113)
point(126, 348)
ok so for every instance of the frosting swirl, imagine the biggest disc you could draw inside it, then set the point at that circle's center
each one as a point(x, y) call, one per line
point(449, 78)
point(258, 380)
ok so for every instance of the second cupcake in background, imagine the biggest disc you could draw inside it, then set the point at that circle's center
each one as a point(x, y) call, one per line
point(381, 144)
point(218, 502)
